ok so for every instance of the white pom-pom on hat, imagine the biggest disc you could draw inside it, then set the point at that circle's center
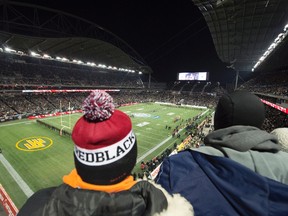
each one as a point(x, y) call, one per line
point(98, 106)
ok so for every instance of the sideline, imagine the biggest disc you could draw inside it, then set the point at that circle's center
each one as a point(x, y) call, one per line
point(22, 184)
point(27, 121)
point(154, 148)
point(160, 144)
point(16, 123)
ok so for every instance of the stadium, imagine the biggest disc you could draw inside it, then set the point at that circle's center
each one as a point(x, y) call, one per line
point(49, 67)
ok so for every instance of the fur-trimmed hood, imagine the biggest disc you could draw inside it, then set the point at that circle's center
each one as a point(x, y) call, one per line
point(177, 205)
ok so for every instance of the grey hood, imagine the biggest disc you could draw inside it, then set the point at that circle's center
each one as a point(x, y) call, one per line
point(243, 138)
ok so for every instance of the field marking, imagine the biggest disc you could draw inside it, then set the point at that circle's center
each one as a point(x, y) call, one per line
point(153, 149)
point(142, 124)
point(151, 138)
point(53, 117)
point(158, 146)
point(22, 184)
point(34, 120)
point(11, 124)
point(143, 147)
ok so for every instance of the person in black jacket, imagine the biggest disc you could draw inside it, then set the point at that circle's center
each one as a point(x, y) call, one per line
point(105, 153)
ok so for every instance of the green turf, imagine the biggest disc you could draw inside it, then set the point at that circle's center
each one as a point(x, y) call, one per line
point(44, 168)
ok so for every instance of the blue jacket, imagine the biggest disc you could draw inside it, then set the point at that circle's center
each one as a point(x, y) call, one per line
point(220, 186)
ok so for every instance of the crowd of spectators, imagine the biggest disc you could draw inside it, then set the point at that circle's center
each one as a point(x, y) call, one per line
point(272, 87)
point(274, 119)
point(272, 83)
point(23, 72)
point(21, 105)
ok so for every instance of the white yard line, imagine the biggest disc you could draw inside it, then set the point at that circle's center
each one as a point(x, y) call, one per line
point(22, 184)
point(154, 148)
point(29, 121)
point(160, 144)
point(53, 117)
point(11, 124)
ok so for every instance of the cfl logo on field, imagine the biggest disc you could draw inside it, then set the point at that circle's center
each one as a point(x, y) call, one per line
point(34, 143)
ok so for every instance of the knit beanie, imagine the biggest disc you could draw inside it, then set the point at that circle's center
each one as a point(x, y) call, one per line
point(105, 148)
point(282, 135)
point(239, 108)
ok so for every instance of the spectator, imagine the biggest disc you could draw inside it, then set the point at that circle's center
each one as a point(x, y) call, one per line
point(236, 182)
point(282, 135)
point(220, 186)
point(105, 153)
point(237, 121)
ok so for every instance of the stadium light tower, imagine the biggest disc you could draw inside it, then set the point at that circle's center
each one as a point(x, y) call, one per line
point(236, 80)
point(183, 87)
point(193, 87)
point(204, 87)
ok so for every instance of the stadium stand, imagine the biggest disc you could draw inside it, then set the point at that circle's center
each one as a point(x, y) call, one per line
point(24, 72)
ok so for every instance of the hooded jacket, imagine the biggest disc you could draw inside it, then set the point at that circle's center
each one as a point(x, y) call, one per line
point(144, 198)
point(254, 148)
point(219, 186)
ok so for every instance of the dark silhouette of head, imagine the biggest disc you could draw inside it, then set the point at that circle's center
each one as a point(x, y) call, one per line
point(239, 108)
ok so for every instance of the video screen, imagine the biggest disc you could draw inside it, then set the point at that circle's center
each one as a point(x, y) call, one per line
point(200, 76)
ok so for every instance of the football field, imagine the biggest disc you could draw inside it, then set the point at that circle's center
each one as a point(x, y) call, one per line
point(35, 156)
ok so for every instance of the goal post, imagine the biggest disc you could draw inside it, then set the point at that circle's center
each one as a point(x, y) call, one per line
point(65, 118)
point(61, 130)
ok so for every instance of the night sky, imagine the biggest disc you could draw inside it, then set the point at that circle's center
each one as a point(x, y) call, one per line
point(172, 36)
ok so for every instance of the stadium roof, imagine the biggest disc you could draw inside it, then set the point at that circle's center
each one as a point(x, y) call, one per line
point(25, 27)
point(243, 30)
